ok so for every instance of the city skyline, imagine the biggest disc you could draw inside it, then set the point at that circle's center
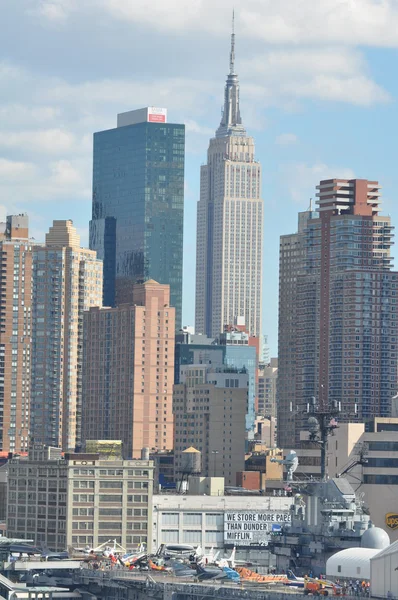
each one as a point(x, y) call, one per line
point(295, 96)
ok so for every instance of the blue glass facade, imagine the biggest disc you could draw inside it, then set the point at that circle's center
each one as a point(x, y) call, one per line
point(138, 208)
point(237, 357)
point(244, 357)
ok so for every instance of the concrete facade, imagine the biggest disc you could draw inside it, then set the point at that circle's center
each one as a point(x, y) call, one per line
point(210, 408)
point(199, 520)
point(79, 500)
point(67, 280)
point(128, 382)
point(15, 333)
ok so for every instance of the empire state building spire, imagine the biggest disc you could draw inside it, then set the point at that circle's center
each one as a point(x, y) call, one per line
point(232, 53)
point(231, 122)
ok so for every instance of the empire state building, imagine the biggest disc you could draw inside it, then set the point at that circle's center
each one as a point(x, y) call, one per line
point(229, 225)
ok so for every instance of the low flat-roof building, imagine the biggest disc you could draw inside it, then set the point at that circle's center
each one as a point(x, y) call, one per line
point(79, 500)
point(221, 522)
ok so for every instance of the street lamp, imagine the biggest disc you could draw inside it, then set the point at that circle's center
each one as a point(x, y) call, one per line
point(215, 452)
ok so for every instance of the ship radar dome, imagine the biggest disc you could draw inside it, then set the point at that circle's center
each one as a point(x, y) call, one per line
point(375, 537)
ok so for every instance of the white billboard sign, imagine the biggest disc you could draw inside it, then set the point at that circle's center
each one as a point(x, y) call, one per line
point(249, 528)
point(157, 115)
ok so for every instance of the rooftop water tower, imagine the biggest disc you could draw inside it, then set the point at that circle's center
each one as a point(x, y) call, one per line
point(191, 465)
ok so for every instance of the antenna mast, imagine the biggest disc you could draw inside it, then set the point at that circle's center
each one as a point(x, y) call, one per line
point(232, 55)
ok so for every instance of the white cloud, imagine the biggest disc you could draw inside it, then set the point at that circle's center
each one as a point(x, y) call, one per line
point(49, 141)
point(357, 89)
point(20, 115)
point(286, 139)
point(301, 179)
point(14, 171)
point(194, 127)
point(65, 174)
point(173, 14)
point(306, 60)
point(333, 74)
point(117, 94)
point(347, 22)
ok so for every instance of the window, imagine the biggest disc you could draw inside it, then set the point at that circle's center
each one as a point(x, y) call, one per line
point(111, 484)
point(169, 536)
point(383, 446)
point(193, 519)
point(214, 537)
point(215, 520)
point(192, 537)
point(109, 525)
point(110, 498)
point(86, 525)
point(82, 498)
point(170, 519)
point(83, 484)
point(82, 512)
point(381, 479)
point(382, 462)
point(110, 512)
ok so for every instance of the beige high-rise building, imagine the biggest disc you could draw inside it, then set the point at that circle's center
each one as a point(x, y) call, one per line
point(67, 280)
point(210, 408)
point(129, 371)
point(15, 333)
point(230, 225)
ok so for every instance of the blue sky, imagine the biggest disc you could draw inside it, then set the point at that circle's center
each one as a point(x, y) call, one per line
point(318, 93)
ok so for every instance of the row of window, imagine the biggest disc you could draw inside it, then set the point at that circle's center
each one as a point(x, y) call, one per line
point(137, 485)
point(111, 525)
point(112, 472)
point(109, 512)
point(114, 498)
point(211, 519)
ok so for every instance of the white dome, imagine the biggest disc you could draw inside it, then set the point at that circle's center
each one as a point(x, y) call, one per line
point(375, 537)
point(352, 563)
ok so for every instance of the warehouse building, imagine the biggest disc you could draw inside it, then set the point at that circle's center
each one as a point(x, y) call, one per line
point(79, 500)
point(221, 522)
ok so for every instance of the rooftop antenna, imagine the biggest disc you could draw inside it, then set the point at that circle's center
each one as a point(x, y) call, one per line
point(232, 55)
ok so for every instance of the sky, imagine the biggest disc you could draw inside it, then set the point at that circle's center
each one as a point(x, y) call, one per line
point(318, 93)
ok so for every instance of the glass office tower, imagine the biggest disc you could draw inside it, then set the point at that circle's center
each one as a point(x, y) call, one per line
point(138, 204)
